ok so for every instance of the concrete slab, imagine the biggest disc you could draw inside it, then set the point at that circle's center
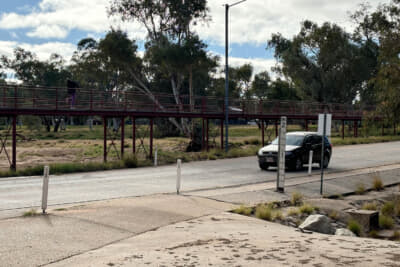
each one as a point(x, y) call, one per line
point(234, 240)
point(252, 198)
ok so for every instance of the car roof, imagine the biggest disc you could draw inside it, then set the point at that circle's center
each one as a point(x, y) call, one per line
point(302, 133)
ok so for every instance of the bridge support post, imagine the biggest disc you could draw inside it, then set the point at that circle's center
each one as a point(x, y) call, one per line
point(276, 128)
point(202, 134)
point(262, 133)
point(14, 144)
point(151, 137)
point(122, 136)
point(222, 133)
point(207, 135)
point(394, 129)
point(105, 139)
point(383, 128)
point(133, 135)
point(342, 129)
point(306, 124)
point(355, 128)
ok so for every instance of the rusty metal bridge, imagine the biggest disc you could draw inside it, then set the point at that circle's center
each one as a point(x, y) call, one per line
point(18, 100)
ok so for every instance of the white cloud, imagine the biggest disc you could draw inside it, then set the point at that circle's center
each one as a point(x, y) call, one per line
point(48, 31)
point(43, 51)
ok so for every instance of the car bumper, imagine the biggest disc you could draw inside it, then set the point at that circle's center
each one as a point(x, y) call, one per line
point(272, 160)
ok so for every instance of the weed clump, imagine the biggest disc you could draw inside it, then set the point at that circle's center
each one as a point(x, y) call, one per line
point(388, 209)
point(297, 199)
point(360, 189)
point(385, 222)
point(130, 161)
point(30, 213)
point(306, 209)
point(264, 212)
point(369, 206)
point(377, 183)
point(355, 227)
point(243, 210)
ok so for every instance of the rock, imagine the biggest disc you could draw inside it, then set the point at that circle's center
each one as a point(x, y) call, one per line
point(318, 223)
point(344, 232)
point(369, 219)
point(385, 234)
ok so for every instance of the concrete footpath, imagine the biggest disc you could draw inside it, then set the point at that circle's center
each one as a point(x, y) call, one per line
point(194, 229)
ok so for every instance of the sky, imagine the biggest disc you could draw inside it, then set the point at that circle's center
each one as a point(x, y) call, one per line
point(56, 26)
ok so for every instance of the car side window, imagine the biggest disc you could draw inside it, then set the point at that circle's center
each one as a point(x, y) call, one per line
point(308, 140)
point(317, 140)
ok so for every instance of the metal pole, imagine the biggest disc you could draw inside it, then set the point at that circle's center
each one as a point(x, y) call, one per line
point(45, 188)
point(322, 154)
point(133, 135)
point(342, 129)
point(151, 137)
point(122, 136)
point(226, 78)
point(222, 133)
point(262, 133)
point(105, 139)
point(178, 176)
point(202, 135)
point(310, 160)
point(14, 144)
point(207, 135)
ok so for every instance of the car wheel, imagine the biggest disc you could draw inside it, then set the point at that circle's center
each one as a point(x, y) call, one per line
point(263, 166)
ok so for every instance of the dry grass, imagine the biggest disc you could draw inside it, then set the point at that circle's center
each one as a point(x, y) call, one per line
point(377, 182)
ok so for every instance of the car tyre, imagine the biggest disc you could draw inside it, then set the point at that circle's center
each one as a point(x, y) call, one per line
point(326, 161)
point(264, 166)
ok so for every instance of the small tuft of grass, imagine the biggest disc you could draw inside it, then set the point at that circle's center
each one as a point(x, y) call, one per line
point(355, 227)
point(388, 209)
point(296, 199)
point(360, 189)
point(264, 212)
point(373, 234)
point(243, 210)
point(386, 222)
point(396, 236)
point(278, 215)
point(377, 183)
point(61, 209)
point(293, 212)
point(30, 213)
point(306, 209)
point(369, 206)
point(333, 215)
point(130, 161)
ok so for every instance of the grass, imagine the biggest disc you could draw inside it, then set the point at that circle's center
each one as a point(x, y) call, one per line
point(264, 212)
point(377, 183)
point(306, 209)
point(396, 236)
point(386, 222)
point(296, 199)
point(334, 215)
point(293, 212)
point(30, 213)
point(388, 209)
point(369, 206)
point(243, 210)
point(360, 189)
point(355, 227)
point(278, 215)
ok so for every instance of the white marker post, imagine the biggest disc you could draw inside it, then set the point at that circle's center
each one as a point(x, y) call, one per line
point(324, 129)
point(155, 157)
point(280, 180)
point(45, 189)
point(310, 160)
point(178, 176)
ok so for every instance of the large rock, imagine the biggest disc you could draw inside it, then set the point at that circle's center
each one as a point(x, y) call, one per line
point(344, 232)
point(318, 223)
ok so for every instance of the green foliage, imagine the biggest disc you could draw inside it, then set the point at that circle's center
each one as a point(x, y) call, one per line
point(334, 215)
point(293, 212)
point(264, 212)
point(306, 209)
point(360, 189)
point(355, 227)
point(377, 183)
point(388, 209)
point(130, 161)
point(277, 215)
point(243, 210)
point(296, 199)
point(369, 206)
point(30, 213)
point(386, 222)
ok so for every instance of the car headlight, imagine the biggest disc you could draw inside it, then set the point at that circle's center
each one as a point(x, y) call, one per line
point(260, 153)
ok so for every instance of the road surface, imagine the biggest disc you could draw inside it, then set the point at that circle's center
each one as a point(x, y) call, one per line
point(25, 192)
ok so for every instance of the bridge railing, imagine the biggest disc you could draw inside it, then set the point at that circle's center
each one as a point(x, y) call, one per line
point(51, 98)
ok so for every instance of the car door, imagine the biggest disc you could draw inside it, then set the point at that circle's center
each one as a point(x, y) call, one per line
point(316, 147)
point(307, 146)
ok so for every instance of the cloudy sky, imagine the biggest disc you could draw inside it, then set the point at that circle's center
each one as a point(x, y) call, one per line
point(56, 26)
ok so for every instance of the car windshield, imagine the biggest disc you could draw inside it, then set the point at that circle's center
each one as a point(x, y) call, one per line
point(291, 140)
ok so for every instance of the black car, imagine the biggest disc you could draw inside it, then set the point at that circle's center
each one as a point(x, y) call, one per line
point(298, 146)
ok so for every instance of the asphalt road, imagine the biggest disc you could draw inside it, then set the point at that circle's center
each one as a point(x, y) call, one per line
point(25, 192)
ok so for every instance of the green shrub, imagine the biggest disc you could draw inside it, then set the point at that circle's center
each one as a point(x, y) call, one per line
point(355, 227)
point(306, 209)
point(369, 206)
point(293, 212)
point(334, 215)
point(360, 189)
point(296, 199)
point(373, 234)
point(243, 210)
point(278, 215)
point(396, 236)
point(377, 183)
point(130, 161)
point(30, 213)
point(388, 209)
point(385, 222)
point(264, 212)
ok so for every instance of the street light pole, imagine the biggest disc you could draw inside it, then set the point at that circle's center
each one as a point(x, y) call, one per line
point(227, 73)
